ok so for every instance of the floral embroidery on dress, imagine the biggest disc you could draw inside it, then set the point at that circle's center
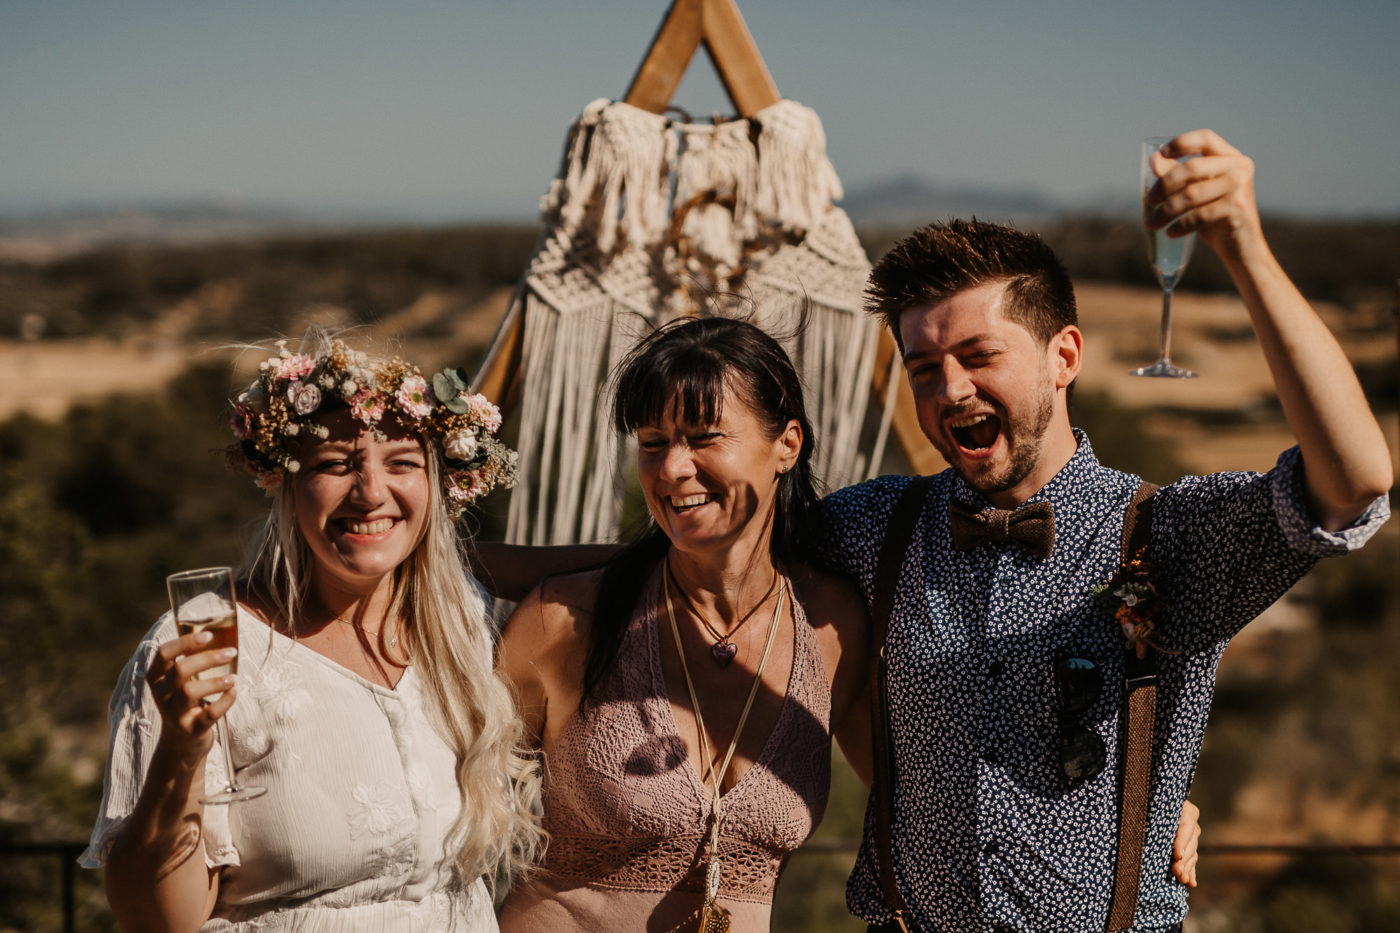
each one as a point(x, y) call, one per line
point(280, 691)
point(395, 860)
point(378, 811)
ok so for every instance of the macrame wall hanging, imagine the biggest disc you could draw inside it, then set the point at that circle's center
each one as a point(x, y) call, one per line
point(652, 218)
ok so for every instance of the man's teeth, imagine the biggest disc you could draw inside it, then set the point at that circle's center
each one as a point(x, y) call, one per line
point(370, 528)
point(967, 421)
point(685, 502)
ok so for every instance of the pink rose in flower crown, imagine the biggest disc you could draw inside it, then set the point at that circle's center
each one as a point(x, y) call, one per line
point(413, 397)
point(304, 397)
point(367, 406)
point(295, 366)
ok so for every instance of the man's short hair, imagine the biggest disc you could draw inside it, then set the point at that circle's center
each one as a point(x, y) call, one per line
point(940, 260)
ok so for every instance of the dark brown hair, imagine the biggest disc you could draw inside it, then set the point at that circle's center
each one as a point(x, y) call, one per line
point(940, 260)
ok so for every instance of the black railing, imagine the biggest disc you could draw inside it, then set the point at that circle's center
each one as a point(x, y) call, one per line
point(67, 853)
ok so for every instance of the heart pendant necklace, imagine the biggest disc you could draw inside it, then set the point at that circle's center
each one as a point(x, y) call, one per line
point(723, 649)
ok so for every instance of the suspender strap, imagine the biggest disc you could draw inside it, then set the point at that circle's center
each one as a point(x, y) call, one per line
point(901, 532)
point(1140, 694)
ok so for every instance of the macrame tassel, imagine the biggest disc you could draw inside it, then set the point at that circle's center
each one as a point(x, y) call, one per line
point(796, 181)
point(617, 172)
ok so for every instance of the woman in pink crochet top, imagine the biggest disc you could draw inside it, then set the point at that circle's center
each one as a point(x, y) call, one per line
point(725, 465)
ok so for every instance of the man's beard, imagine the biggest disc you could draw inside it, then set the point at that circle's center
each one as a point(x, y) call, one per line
point(1024, 438)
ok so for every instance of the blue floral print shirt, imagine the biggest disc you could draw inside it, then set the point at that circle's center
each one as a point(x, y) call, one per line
point(987, 836)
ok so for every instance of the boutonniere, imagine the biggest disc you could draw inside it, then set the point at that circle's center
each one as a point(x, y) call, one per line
point(1132, 596)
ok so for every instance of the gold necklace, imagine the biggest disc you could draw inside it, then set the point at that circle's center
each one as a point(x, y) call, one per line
point(724, 649)
point(713, 917)
point(393, 639)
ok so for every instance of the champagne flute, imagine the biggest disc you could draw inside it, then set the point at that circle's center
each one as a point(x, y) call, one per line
point(203, 601)
point(1168, 256)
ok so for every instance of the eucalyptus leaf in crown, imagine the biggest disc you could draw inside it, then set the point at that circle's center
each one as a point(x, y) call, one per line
point(270, 417)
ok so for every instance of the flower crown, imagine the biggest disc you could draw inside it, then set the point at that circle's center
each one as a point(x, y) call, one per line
point(270, 416)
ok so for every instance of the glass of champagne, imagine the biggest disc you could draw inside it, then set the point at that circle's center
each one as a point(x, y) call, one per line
point(1169, 256)
point(203, 601)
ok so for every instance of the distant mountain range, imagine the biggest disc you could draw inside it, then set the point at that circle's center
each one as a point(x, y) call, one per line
point(902, 203)
point(46, 234)
point(910, 201)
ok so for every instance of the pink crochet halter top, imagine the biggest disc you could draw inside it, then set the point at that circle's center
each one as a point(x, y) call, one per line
point(625, 807)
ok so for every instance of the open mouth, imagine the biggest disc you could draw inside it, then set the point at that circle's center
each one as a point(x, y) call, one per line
point(686, 503)
point(377, 527)
point(975, 432)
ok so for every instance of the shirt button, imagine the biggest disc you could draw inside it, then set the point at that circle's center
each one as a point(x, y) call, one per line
point(990, 849)
point(992, 757)
point(995, 669)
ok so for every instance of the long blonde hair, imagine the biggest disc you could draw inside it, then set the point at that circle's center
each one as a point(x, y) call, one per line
point(449, 637)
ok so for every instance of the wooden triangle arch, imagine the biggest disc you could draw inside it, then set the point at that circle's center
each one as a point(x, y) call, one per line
point(719, 27)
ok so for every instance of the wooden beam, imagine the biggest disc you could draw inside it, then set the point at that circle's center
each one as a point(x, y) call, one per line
point(668, 58)
point(498, 377)
point(736, 58)
point(717, 25)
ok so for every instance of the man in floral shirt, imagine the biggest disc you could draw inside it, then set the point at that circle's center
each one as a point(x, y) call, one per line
point(993, 829)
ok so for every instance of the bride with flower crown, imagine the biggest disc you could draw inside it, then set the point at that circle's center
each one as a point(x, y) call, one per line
point(365, 700)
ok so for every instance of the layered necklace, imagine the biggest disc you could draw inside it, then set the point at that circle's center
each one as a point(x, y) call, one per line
point(714, 918)
point(724, 648)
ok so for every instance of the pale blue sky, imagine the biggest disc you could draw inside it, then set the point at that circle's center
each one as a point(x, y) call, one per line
point(443, 111)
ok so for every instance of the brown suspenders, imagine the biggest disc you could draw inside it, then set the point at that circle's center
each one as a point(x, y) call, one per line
point(1140, 708)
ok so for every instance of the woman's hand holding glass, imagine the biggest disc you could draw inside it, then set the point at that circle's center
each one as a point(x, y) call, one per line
point(206, 615)
point(187, 720)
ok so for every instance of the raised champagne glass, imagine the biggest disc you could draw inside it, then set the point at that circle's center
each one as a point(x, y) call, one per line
point(203, 601)
point(1168, 256)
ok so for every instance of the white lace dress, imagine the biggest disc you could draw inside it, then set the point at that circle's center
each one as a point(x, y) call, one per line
point(360, 794)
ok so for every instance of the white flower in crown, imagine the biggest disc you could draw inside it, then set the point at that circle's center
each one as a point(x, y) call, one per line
point(460, 445)
point(304, 396)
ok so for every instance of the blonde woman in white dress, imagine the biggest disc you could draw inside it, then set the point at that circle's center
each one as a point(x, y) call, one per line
point(365, 700)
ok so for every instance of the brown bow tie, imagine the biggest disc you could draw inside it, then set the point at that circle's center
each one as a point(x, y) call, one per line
point(1031, 526)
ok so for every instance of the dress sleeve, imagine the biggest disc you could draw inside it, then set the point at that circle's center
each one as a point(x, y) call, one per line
point(135, 727)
